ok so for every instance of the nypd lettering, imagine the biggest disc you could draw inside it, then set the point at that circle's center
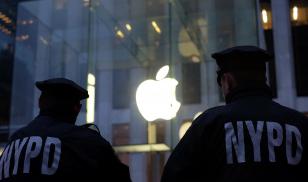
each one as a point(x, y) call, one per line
point(30, 147)
point(286, 137)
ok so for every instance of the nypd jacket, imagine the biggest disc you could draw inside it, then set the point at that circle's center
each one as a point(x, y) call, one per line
point(50, 150)
point(251, 138)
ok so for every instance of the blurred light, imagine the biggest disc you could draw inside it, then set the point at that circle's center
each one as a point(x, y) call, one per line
point(156, 27)
point(91, 104)
point(26, 22)
point(186, 47)
point(6, 31)
point(128, 27)
point(195, 59)
point(183, 129)
point(25, 37)
point(91, 79)
point(22, 37)
point(5, 18)
point(197, 115)
point(120, 34)
point(60, 4)
point(264, 16)
point(295, 13)
point(86, 3)
point(91, 99)
point(160, 147)
point(43, 40)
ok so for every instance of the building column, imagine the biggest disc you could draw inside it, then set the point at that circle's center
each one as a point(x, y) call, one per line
point(138, 131)
point(286, 87)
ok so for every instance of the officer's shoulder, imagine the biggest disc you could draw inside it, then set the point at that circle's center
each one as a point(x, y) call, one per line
point(87, 133)
point(215, 110)
point(210, 115)
point(291, 112)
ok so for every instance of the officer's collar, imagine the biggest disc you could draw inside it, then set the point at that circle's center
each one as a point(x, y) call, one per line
point(57, 117)
point(246, 91)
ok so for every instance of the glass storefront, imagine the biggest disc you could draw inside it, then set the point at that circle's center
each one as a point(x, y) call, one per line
point(111, 47)
point(7, 34)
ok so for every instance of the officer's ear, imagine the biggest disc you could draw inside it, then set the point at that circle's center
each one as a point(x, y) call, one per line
point(228, 81)
point(77, 108)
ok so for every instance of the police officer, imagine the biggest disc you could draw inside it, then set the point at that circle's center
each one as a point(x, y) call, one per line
point(52, 148)
point(251, 138)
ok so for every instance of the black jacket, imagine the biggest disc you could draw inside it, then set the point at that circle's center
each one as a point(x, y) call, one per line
point(251, 138)
point(50, 150)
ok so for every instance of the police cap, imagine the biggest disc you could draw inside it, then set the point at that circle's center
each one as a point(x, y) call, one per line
point(241, 58)
point(62, 87)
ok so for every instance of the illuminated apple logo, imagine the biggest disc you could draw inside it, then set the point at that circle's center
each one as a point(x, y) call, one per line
point(156, 98)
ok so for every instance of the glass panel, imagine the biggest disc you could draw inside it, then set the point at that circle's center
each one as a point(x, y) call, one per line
point(299, 21)
point(191, 85)
point(47, 45)
point(267, 25)
point(121, 81)
point(7, 32)
point(112, 46)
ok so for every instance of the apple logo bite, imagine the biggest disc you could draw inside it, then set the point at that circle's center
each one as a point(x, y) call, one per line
point(156, 99)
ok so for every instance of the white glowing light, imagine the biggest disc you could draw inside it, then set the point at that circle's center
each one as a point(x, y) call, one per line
point(128, 27)
point(156, 27)
point(162, 72)
point(156, 99)
point(264, 16)
point(120, 34)
point(295, 13)
point(91, 99)
point(183, 129)
point(91, 104)
point(91, 79)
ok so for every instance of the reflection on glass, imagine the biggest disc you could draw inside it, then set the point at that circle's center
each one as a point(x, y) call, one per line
point(120, 34)
point(156, 27)
point(128, 27)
